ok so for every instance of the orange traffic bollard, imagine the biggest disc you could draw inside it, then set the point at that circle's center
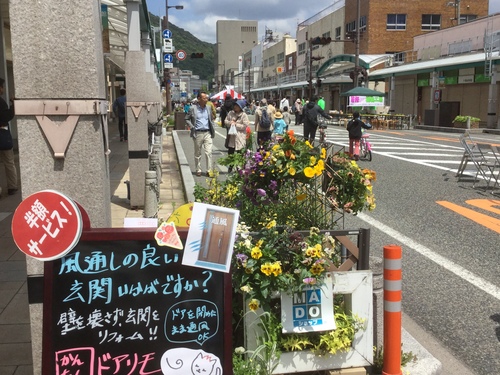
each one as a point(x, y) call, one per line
point(392, 310)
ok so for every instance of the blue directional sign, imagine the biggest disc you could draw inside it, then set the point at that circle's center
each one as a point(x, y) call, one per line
point(167, 34)
point(168, 58)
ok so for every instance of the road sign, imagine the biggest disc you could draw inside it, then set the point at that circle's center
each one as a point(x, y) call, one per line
point(181, 55)
point(172, 84)
point(168, 65)
point(47, 225)
point(168, 58)
point(168, 45)
point(167, 34)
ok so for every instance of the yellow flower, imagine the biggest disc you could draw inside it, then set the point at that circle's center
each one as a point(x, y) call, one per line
point(292, 171)
point(271, 224)
point(246, 288)
point(312, 160)
point(301, 197)
point(276, 268)
point(276, 147)
point(256, 253)
point(260, 243)
point(310, 252)
point(309, 172)
point(323, 153)
point(317, 269)
point(308, 144)
point(254, 304)
point(266, 269)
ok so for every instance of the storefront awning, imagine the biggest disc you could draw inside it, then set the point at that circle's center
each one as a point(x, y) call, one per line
point(427, 66)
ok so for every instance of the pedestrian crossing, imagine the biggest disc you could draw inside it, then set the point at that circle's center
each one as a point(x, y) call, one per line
point(433, 154)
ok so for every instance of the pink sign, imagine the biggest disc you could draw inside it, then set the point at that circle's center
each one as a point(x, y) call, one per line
point(47, 225)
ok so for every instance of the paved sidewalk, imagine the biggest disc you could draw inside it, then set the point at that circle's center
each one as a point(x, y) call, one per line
point(15, 335)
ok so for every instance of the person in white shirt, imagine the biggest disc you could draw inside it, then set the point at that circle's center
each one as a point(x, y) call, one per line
point(284, 103)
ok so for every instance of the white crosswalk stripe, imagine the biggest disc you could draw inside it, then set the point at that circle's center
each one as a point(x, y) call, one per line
point(443, 157)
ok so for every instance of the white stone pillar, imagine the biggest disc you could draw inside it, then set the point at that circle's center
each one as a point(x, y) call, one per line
point(58, 55)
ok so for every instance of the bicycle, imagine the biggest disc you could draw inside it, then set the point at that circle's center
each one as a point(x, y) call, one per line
point(365, 148)
point(322, 134)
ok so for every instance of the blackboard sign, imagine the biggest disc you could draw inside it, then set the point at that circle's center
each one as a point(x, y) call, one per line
point(120, 304)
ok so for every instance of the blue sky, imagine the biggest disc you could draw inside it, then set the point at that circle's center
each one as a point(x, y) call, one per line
point(199, 16)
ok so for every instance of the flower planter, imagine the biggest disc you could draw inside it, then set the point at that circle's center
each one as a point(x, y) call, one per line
point(357, 284)
point(463, 125)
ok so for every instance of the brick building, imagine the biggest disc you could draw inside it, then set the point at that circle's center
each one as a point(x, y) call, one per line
point(389, 26)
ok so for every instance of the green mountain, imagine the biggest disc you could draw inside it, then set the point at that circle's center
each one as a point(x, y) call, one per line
point(184, 40)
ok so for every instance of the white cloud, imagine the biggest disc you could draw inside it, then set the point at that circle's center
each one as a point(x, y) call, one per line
point(199, 17)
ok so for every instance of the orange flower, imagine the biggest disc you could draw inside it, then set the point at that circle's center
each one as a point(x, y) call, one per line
point(291, 133)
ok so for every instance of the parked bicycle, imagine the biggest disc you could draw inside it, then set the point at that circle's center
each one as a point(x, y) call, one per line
point(365, 148)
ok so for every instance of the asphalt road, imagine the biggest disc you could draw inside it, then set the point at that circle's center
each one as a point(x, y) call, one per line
point(449, 233)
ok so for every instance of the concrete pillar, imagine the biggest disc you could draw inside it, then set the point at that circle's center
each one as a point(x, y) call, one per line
point(142, 93)
point(58, 52)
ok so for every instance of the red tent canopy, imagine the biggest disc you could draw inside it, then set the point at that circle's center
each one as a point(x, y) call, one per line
point(228, 90)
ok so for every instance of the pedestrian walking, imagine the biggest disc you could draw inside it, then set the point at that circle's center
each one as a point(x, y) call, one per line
point(285, 102)
point(310, 118)
point(280, 126)
point(321, 103)
point(200, 122)
point(354, 127)
point(6, 143)
point(298, 111)
point(237, 122)
point(120, 111)
point(264, 118)
point(224, 110)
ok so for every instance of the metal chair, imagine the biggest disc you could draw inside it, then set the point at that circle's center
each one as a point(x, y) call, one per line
point(485, 158)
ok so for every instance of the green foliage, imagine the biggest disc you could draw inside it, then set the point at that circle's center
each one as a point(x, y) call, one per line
point(464, 119)
point(321, 343)
point(378, 359)
point(264, 359)
point(184, 40)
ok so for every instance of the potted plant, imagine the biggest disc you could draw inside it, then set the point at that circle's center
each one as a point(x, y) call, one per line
point(461, 122)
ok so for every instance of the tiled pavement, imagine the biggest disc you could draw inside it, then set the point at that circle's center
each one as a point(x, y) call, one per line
point(15, 337)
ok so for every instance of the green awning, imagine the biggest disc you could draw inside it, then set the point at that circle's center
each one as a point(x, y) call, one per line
point(362, 91)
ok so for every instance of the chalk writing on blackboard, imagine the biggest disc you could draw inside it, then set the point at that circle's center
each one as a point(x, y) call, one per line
point(117, 307)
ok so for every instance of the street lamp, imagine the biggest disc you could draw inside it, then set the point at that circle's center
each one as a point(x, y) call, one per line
point(166, 71)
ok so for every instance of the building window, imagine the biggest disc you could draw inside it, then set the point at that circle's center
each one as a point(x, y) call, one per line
point(302, 48)
point(396, 22)
point(431, 21)
point(338, 32)
point(464, 18)
point(281, 57)
point(362, 23)
point(351, 26)
point(326, 35)
point(248, 29)
point(266, 63)
point(271, 61)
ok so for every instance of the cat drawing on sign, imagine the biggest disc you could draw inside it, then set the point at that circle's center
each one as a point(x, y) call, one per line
point(184, 361)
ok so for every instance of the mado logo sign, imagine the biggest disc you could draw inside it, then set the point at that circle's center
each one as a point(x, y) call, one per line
point(310, 309)
point(307, 308)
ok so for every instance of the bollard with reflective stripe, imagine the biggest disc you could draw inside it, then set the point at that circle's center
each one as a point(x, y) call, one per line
point(392, 310)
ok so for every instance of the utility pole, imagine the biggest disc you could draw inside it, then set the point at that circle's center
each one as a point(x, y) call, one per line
point(166, 71)
point(358, 34)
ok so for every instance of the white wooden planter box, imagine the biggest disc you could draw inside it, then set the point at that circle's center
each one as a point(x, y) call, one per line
point(357, 286)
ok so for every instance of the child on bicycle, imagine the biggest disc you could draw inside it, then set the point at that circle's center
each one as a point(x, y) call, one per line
point(354, 128)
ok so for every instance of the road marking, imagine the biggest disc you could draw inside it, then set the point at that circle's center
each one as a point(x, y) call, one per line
point(485, 204)
point(461, 272)
point(482, 219)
